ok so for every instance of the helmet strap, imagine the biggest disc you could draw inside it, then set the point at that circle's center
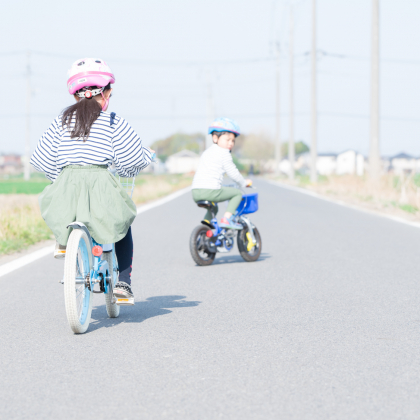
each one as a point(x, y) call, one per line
point(105, 105)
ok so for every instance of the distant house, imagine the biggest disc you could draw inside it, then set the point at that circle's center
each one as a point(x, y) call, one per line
point(284, 166)
point(11, 164)
point(350, 162)
point(303, 162)
point(270, 165)
point(156, 167)
point(182, 162)
point(404, 163)
point(326, 163)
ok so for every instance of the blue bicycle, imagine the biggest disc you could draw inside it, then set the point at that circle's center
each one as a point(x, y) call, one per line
point(87, 265)
point(208, 239)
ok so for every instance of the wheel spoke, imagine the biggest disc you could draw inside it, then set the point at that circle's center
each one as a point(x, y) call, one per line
point(201, 247)
point(81, 289)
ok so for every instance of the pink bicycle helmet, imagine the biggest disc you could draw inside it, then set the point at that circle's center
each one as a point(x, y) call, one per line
point(88, 72)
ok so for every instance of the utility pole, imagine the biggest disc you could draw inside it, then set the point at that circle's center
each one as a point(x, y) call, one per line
point(278, 136)
point(314, 153)
point(291, 134)
point(27, 173)
point(210, 109)
point(374, 155)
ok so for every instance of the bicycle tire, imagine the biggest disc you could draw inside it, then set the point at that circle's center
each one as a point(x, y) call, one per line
point(77, 296)
point(255, 252)
point(196, 248)
point(112, 309)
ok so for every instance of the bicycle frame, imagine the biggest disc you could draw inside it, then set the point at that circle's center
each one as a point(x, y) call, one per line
point(100, 268)
point(222, 234)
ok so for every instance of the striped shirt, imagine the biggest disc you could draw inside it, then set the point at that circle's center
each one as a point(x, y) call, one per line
point(213, 164)
point(106, 144)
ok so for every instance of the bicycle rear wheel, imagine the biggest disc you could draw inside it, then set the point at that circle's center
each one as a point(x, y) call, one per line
point(199, 252)
point(77, 294)
point(112, 309)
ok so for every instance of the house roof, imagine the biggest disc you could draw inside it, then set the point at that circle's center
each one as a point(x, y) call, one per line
point(347, 150)
point(184, 153)
point(327, 154)
point(402, 155)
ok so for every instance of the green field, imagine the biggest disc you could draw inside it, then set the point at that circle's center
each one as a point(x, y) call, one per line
point(19, 186)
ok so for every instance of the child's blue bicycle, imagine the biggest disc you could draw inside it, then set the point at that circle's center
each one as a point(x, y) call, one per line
point(208, 239)
point(89, 264)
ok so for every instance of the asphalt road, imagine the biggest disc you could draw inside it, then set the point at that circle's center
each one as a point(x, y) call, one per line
point(325, 326)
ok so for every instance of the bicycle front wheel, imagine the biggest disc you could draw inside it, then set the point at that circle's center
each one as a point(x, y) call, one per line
point(77, 293)
point(112, 309)
point(249, 252)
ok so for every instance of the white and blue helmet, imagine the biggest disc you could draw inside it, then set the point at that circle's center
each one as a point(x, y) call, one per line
point(224, 124)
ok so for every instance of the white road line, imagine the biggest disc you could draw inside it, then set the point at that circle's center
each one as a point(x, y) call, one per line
point(344, 204)
point(27, 259)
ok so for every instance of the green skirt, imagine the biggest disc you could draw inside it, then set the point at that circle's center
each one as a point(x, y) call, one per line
point(91, 195)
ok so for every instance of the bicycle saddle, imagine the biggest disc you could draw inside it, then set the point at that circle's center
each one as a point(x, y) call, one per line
point(204, 203)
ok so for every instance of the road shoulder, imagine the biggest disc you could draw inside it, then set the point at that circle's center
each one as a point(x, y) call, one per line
point(342, 203)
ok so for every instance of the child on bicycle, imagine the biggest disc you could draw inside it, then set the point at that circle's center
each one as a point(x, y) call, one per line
point(213, 164)
point(75, 153)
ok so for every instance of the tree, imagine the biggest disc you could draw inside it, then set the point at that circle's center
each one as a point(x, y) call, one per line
point(300, 147)
point(254, 146)
point(177, 142)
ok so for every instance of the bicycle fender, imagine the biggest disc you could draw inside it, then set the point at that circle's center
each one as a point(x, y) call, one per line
point(250, 228)
point(81, 226)
point(107, 247)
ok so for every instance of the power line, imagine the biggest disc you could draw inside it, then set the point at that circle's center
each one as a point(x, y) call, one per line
point(153, 62)
point(159, 62)
point(249, 116)
point(365, 58)
point(5, 53)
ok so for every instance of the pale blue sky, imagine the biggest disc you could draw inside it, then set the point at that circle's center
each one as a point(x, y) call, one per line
point(158, 51)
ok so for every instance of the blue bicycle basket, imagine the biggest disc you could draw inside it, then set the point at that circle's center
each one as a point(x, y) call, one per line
point(249, 204)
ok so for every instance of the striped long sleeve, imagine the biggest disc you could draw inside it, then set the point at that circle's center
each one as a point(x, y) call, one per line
point(130, 157)
point(106, 144)
point(213, 164)
point(45, 155)
point(232, 171)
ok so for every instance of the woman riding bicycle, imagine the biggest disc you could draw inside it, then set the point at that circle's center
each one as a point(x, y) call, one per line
point(75, 153)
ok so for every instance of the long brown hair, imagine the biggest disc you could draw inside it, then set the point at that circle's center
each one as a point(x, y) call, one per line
point(86, 113)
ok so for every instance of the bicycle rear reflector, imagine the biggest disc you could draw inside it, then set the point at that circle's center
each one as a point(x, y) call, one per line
point(97, 251)
point(209, 233)
point(124, 301)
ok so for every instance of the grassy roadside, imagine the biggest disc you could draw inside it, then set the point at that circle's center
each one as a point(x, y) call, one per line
point(392, 194)
point(21, 224)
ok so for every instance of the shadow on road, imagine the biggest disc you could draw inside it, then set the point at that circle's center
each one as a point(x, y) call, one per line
point(153, 306)
point(229, 259)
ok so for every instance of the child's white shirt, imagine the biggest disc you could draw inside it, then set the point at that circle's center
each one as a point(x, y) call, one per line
point(213, 164)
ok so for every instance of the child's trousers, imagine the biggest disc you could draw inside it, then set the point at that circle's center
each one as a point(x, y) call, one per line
point(124, 251)
point(216, 196)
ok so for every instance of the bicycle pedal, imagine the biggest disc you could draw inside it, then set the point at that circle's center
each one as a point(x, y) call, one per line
point(124, 301)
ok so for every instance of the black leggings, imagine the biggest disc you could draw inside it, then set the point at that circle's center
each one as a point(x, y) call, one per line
point(124, 251)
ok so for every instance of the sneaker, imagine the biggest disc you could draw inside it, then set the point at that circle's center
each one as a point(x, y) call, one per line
point(59, 251)
point(123, 290)
point(230, 224)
